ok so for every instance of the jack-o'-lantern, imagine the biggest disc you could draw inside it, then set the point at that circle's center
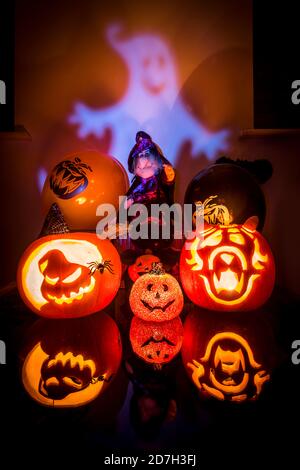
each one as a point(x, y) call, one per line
point(142, 265)
point(156, 343)
point(80, 183)
point(69, 275)
point(68, 364)
point(226, 194)
point(156, 296)
point(226, 361)
point(228, 268)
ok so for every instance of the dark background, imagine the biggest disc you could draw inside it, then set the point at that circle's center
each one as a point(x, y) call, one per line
point(58, 51)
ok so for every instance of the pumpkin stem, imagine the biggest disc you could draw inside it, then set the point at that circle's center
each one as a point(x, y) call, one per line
point(157, 268)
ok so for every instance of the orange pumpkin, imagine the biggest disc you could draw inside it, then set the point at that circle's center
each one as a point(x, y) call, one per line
point(225, 360)
point(80, 183)
point(228, 268)
point(156, 296)
point(142, 265)
point(156, 343)
point(69, 275)
point(68, 364)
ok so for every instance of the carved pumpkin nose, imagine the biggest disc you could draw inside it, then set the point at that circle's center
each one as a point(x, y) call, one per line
point(157, 295)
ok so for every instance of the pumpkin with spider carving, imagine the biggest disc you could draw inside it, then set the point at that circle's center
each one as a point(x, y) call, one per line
point(156, 296)
point(69, 275)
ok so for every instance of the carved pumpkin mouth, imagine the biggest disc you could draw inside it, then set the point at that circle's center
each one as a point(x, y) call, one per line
point(64, 374)
point(157, 307)
point(228, 277)
point(73, 295)
point(156, 341)
point(72, 282)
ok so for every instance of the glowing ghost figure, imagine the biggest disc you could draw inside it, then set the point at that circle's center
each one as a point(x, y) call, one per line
point(151, 103)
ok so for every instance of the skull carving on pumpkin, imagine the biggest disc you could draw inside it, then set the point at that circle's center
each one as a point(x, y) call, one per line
point(228, 268)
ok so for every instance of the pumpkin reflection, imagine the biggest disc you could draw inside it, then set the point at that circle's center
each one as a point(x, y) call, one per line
point(154, 342)
point(228, 369)
point(70, 365)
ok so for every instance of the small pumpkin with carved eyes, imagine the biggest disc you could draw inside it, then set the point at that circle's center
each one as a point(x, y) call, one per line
point(156, 296)
point(69, 275)
point(228, 268)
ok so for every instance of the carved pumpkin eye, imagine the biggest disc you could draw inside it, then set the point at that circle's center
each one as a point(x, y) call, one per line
point(149, 287)
point(237, 238)
point(75, 275)
point(51, 281)
point(165, 287)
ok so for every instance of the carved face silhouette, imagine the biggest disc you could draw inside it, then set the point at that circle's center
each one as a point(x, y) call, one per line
point(68, 283)
point(69, 178)
point(228, 371)
point(69, 363)
point(229, 268)
point(69, 275)
point(156, 343)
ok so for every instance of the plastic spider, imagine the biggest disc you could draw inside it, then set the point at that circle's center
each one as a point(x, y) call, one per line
point(94, 266)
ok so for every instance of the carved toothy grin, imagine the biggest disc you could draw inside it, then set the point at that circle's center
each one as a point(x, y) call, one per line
point(73, 295)
point(72, 361)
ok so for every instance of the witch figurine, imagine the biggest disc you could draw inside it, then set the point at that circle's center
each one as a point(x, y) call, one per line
point(153, 183)
point(154, 176)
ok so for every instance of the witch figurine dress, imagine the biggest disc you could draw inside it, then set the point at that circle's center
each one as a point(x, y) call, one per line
point(153, 183)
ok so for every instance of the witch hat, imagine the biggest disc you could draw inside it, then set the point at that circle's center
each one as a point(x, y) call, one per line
point(54, 222)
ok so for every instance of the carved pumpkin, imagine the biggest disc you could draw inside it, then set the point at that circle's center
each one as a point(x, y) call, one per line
point(69, 275)
point(156, 342)
point(68, 364)
point(142, 265)
point(228, 268)
point(226, 194)
point(156, 296)
point(226, 361)
point(80, 183)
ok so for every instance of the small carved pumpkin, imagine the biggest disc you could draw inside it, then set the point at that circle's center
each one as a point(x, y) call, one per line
point(156, 342)
point(142, 265)
point(156, 296)
point(68, 364)
point(69, 275)
point(228, 268)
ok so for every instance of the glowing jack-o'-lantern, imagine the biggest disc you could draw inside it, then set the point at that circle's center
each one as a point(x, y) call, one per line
point(68, 365)
point(69, 275)
point(80, 183)
point(156, 343)
point(156, 296)
point(142, 265)
point(227, 360)
point(228, 268)
point(228, 369)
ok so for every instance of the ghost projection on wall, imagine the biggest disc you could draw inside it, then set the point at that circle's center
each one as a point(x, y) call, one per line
point(151, 102)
